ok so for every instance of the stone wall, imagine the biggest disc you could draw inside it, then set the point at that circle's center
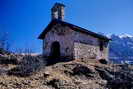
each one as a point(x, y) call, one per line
point(86, 46)
point(85, 51)
point(61, 35)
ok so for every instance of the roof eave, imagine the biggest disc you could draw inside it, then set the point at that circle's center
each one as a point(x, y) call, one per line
point(42, 35)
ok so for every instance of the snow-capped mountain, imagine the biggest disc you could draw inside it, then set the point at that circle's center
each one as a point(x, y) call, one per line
point(125, 36)
point(121, 47)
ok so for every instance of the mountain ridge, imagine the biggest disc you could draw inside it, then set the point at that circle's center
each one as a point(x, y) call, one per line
point(120, 47)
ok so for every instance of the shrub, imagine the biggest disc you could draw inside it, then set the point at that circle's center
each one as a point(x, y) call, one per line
point(28, 66)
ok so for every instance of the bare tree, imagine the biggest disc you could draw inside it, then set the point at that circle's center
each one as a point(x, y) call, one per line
point(4, 42)
point(19, 50)
point(26, 51)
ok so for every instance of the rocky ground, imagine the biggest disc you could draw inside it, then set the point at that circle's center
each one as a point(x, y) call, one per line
point(28, 72)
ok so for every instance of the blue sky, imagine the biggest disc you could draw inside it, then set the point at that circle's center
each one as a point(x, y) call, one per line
point(24, 20)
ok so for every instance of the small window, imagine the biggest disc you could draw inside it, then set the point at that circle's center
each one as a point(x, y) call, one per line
point(101, 45)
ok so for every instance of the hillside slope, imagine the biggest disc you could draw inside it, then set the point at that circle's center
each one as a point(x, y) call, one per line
point(77, 74)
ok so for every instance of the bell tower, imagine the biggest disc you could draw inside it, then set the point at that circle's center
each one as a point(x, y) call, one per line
point(57, 11)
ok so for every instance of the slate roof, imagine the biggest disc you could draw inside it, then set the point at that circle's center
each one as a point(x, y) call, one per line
point(73, 27)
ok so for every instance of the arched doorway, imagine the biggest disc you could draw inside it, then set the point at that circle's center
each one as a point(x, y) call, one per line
point(55, 50)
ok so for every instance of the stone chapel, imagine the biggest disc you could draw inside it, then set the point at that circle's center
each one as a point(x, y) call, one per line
point(64, 41)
